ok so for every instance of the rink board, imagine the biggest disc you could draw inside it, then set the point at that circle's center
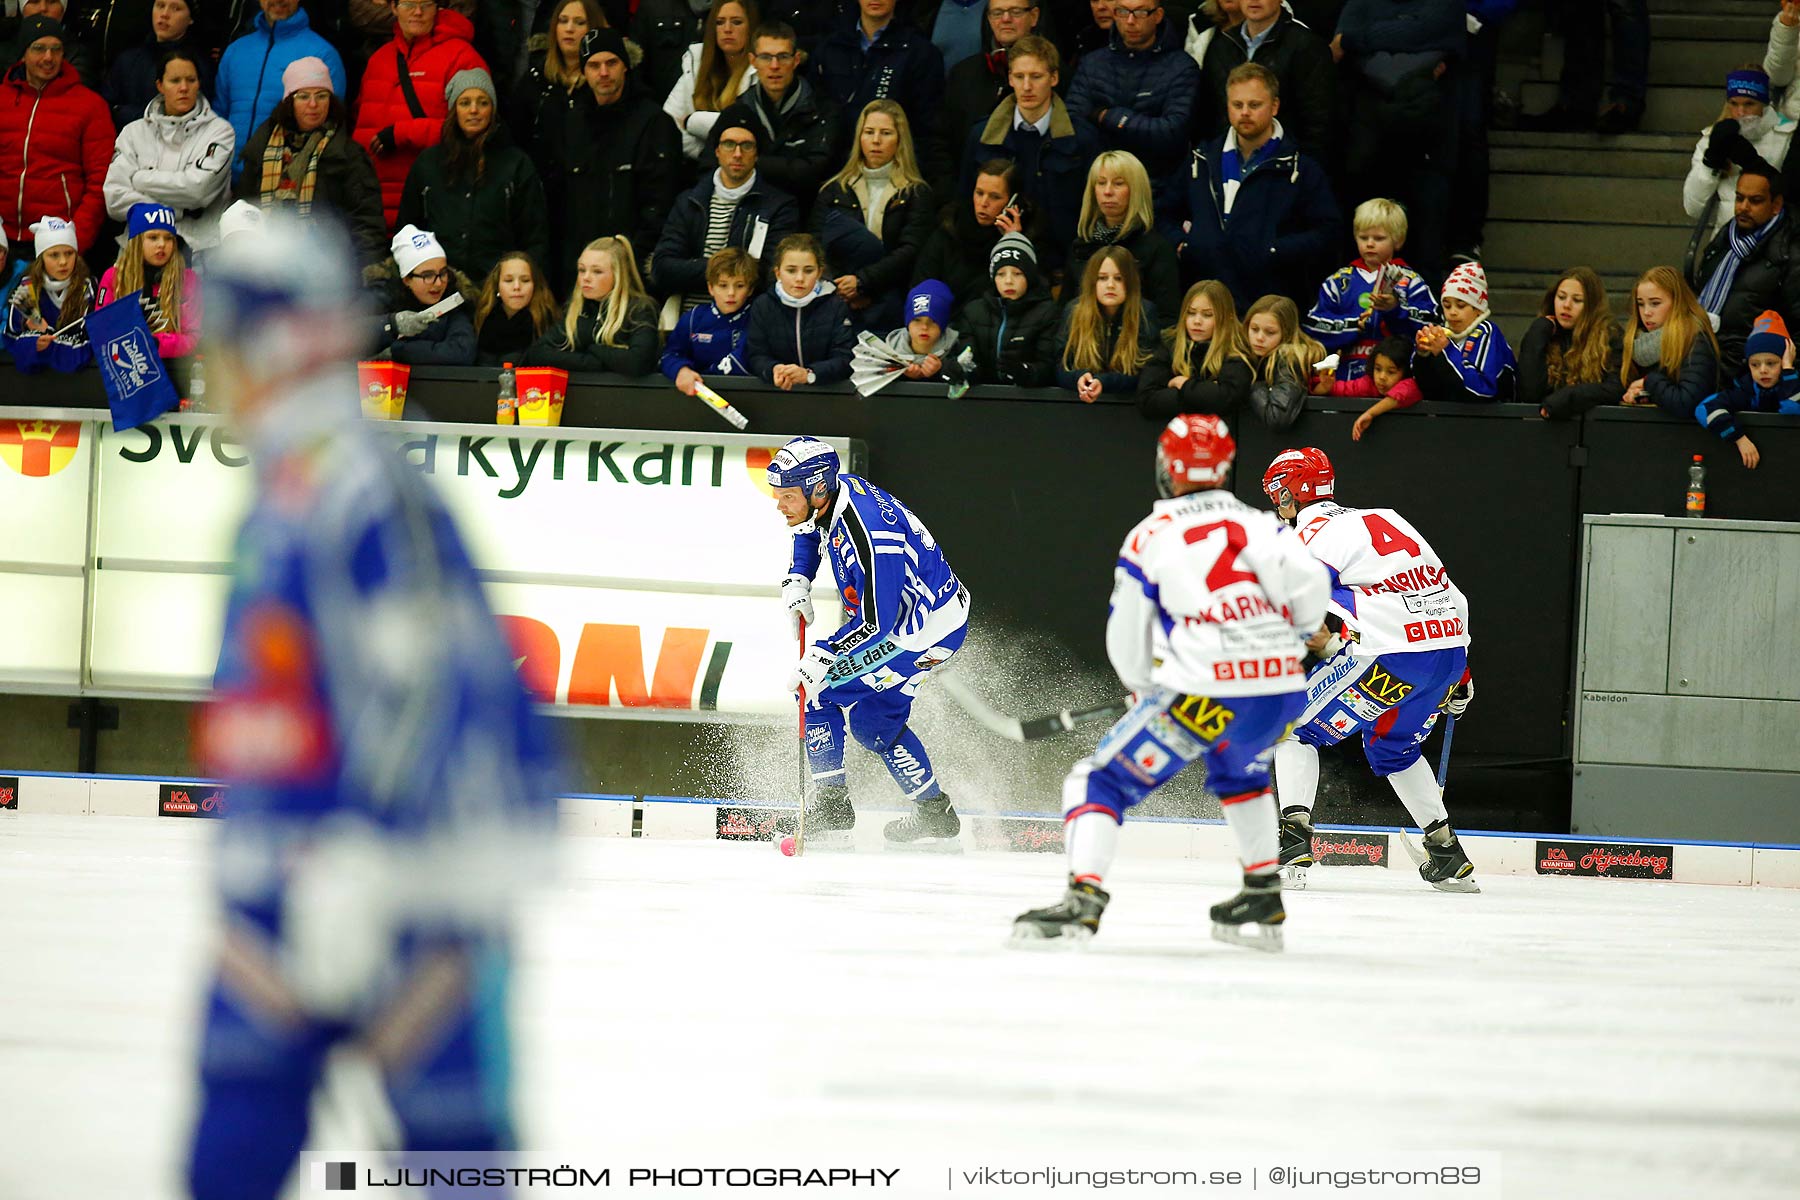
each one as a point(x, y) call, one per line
point(686, 818)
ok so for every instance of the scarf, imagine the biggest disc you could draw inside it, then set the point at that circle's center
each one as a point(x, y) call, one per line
point(1738, 246)
point(58, 291)
point(291, 176)
point(823, 288)
point(875, 187)
point(721, 192)
point(1646, 348)
point(1104, 234)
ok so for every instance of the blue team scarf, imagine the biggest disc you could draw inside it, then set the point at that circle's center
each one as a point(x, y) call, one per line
point(1738, 247)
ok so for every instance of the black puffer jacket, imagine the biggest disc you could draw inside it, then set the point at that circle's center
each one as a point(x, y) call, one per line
point(1158, 272)
point(958, 248)
point(905, 224)
point(1576, 398)
point(678, 266)
point(448, 341)
point(1014, 340)
point(820, 337)
point(1769, 277)
point(796, 141)
point(1223, 396)
point(477, 221)
point(636, 355)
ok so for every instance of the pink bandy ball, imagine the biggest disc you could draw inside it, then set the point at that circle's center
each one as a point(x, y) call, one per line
point(787, 845)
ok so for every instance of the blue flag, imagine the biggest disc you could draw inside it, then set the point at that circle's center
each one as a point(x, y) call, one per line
point(137, 385)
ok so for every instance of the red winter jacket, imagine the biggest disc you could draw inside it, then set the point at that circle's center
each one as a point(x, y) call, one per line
point(55, 146)
point(431, 61)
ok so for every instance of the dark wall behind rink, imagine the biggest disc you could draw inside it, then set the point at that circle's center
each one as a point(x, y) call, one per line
point(1032, 492)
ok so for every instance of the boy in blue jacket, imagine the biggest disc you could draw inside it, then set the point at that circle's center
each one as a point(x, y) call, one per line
point(709, 339)
point(1466, 358)
point(1769, 384)
point(1377, 296)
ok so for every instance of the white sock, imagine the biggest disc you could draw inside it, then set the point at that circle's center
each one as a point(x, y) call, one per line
point(1297, 774)
point(1254, 825)
point(1092, 839)
point(1418, 791)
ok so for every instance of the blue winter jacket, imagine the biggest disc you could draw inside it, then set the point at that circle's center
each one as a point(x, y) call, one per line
point(709, 341)
point(1718, 411)
point(1280, 230)
point(69, 350)
point(1149, 98)
point(820, 337)
point(249, 79)
point(1477, 367)
point(902, 66)
point(1345, 296)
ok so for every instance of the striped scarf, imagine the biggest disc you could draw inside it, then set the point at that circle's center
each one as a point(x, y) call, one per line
point(1738, 247)
point(290, 176)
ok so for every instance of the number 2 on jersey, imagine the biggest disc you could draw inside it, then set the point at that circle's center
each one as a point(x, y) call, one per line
point(1386, 539)
point(1224, 571)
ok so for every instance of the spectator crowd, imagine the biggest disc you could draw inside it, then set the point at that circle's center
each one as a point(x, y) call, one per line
point(1223, 208)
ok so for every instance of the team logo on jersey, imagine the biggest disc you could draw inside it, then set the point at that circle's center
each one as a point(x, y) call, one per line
point(1205, 717)
point(818, 738)
point(1359, 704)
point(1383, 687)
point(1342, 722)
point(1145, 760)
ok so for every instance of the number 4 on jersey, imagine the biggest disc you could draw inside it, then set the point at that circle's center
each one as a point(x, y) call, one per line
point(1386, 539)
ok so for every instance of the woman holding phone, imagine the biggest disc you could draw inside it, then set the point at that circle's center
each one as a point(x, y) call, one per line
point(958, 247)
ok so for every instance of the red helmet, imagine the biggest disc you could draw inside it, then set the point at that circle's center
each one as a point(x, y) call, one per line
point(1301, 476)
point(1193, 449)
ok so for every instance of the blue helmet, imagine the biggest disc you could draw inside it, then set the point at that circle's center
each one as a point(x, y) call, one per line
point(808, 464)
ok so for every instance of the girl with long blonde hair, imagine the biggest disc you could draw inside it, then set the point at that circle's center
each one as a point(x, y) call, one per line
point(1570, 357)
point(610, 324)
point(151, 263)
point(874, 215)
point(1671, 357)
point(1282, 358)
point(1202, 365)
point(714, 71)
point(1106, 334)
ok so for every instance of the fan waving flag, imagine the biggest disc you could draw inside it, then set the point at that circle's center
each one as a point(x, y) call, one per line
point(137, 385)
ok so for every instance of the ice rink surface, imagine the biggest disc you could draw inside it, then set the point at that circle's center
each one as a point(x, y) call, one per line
point(1607, 1038)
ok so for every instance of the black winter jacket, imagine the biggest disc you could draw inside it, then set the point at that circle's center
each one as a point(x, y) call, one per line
point(1573, 399)
point(678, 267)
point(504, 339)
point(1158, 272)
point(131, 83)
point(1279, 235)
point(902, 66)
point(905, 224)
point(1057, 179)
point(664, 29)
point(448, 341)
point(796, 142)
point(1014, 340)
point(479, 221)
point(346, 186)
point(1301, 60)
point(820, 336)
point(1149, 98)
point(1769, 277)
point(971, 90)
point(1697, 379)
point(606, 171)
point(1223, 396)
point(637, 356)
point(957, 251)
point(1113, 382)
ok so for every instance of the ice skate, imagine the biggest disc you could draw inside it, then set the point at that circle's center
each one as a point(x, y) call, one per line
point(1296, 848)
point(1253, 917)
point(931, 825)
point(830, 821)
point(1446, 867)
point(1071, 922)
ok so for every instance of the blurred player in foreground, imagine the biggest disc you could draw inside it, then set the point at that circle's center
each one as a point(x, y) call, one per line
point(1211, 602)
point(391, 788)
point(906, 614)
point(1400, 658)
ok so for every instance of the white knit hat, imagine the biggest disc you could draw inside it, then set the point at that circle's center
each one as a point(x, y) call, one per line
point(412, 246)
point(241, 217)
point(54, 231)
point(1468, 283)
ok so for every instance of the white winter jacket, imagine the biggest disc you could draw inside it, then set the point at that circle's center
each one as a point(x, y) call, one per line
point(183, 162)
point(1779, 121)
point(680, 104)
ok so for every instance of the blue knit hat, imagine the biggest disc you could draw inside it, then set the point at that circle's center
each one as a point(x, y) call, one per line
point(929, 299)
point(1749, 82)
point(147, 217)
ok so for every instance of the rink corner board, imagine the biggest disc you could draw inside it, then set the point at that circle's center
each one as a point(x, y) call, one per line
point(691, 818)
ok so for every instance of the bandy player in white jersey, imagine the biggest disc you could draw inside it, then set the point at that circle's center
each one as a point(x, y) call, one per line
point(1211, 602)
point(1403, 657)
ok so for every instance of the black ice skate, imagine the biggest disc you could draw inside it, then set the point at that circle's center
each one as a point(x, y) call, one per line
point(830, 820)
point(1296, 847)
point(931, 825)
point(1253, 917)
point(1069, 923)
point(1446, 867)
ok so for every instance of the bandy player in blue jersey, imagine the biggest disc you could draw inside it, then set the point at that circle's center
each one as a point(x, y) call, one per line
point(392, 790)
point(1211, 602)
point(906, 614)
point(1401, 658)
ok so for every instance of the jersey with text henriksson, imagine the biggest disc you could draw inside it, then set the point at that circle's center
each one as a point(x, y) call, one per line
point(1212, 597)
point(1386, 579)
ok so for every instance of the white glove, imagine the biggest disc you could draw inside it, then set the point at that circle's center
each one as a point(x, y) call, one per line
point(337, 922)
point(796, 595)
point(411, 324)
point(1460, 697)
point(810, 672)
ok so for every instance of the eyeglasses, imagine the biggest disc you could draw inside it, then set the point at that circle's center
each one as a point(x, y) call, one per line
point(1120, 13)
point(415, 5)
point(763, 60)
point(430, 276)
point(1008, 14)
point(734, 146)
